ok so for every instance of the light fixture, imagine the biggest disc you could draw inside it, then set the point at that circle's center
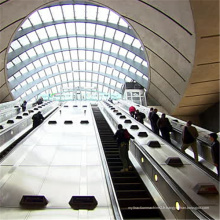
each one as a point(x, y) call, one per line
point(155, 177)
point(142, 160)
point(177, 206)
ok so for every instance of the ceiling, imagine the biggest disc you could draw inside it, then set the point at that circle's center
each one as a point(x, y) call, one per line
point(177, 60)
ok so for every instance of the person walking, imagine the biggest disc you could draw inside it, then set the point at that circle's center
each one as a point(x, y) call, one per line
point(189, 136)
point(24, 105)
point(165, 127)
point(215, 149)
point(123, 136)
point(154, 119)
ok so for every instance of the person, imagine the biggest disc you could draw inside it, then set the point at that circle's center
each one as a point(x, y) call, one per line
point(189, 136)
point(150, 113)
point(139, 116)
point(123, 136)
point(37, 119)
point(165, 127)
point(24, 105)
point(215, 149)
point(154, 119)
point(132, 110)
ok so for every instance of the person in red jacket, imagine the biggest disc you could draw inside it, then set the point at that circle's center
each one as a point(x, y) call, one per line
point(132, 110)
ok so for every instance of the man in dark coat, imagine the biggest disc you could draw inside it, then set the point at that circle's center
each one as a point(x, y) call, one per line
point(37, 119)
point(123, 144)
point(215, 149)
point(154, 120)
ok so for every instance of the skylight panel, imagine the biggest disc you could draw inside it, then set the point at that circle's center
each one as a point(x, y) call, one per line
point(35, 76)
point(83, 76)
point(102, 14)
point(56, 13)
point(34, 89)
point(82, 55)
point(44, 61)
point(68, 12)
point(51, 58)
point(89, 55)
point(54, 89)
point(123, 23)
point(37, 64)
point(88, 66)
point(30, 67)
point(97, 56)
point(98, 44)
point(61, 67)
point(101, 78)
point(144, 63)
point(47, 47)
point(112, 60)
point(41, 74)
point(39, 49)
point(48, 71)
point(51, 31)
point(95, 67)
point(66, 55)
point(80, 11)
point(102, 68)
point(18, 87)
point(24, 83)
point(132, 69)
point(15, 45)
point(70, 28)
point(24, 41)
point(139, 73)
point(90, 42)
point(100, 30)
point(55, 45)
point(113, 83)
point(24, 56)
point(88, 77)
point(107, 80)
point(23, 70)
point(82, 65)
point(125, 66)
point(109, 70)
point(119, 35)
point(74, 54)
point(95, 77)
point(128, 39)
point(26, 24)
point(58, 56)
point(118, 63)
point(63, 77)
point(10, 65)
point(136, 44)
point(57, 79)
point(106, 46)
point(113, 18)
point(122, 52)
point(61, 30)
point(81, 42)
point(115, 48)
point(104, 58)
point(29, 92)
point(68, 66)
point(16, 61)
point(90, 28)
point(11, 79)
point(91, 12)
point(35, 19)
point(64, 43)
point(76, 76)
point(80, 28)
point(45, 83)
point(40, 85)
point(72, 42)
point(51, 80)
point(45, 15)
point(109, 32)
point(138, 59)
point(130, 55)
point(10, 50)
point(115, 73)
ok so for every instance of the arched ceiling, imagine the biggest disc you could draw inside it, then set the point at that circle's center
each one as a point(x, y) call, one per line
point(180, 38)
point(67, 46)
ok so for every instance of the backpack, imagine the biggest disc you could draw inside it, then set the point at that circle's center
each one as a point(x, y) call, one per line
point(127, 136)
point(143, 115)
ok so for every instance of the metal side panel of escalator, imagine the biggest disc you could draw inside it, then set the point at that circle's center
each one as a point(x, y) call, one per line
point(133, 197)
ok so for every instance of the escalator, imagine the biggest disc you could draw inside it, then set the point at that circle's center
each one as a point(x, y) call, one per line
point(133, 197)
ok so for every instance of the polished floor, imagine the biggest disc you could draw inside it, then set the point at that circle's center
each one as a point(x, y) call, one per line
point(58, 161)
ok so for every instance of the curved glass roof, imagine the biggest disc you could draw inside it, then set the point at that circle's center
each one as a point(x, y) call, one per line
point(79, 48)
